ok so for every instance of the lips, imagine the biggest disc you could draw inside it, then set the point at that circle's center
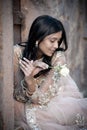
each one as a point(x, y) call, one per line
point(52, 51)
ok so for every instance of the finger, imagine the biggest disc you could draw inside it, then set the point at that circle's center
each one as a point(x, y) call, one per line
point(32, 61)
point(27, 63)
point(44, 66)
point(41, 65)
point(23, 69)
point(36, 71)
point(26, 71)
point(24, 63)
point(26, 60)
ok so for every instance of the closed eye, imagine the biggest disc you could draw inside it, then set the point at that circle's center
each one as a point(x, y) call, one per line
point(52, 41)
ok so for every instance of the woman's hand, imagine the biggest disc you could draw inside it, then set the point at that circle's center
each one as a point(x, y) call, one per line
point(39, 65)
point(26, 66)
point(31, 68)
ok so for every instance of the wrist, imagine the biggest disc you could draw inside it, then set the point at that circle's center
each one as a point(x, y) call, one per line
point(30, 82)
point(28, 79)
point(25, 87)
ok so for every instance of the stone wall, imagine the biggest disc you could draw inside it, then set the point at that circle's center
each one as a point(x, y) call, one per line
point(1, 75)
point(72, 13)
point(6, 66)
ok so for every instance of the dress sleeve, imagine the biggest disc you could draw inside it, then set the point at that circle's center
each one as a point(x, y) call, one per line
point(20, 91)
point(57, 82)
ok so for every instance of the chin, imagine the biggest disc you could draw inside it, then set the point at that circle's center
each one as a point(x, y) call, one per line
point(49, 55)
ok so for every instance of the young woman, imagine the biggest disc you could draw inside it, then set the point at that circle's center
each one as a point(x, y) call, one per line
point(46, 96)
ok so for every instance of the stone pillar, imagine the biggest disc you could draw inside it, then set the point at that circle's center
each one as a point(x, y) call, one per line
point(6, 66)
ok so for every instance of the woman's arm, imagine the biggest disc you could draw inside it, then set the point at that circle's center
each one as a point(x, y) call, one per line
point(20, 92)
point(24, 71)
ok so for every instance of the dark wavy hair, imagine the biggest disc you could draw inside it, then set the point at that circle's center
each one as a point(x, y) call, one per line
point(41, 27)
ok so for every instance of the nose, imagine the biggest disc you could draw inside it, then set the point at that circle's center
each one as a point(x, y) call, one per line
point(55, 45)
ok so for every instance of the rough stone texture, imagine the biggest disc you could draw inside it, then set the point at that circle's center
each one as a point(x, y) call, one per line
point(1, 119)
point(72, 13)
point(6, 66)
point(84, 83)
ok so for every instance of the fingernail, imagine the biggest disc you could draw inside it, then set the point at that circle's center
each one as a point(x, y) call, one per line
point(31, 61)
point(20, 61)
point(47, 66)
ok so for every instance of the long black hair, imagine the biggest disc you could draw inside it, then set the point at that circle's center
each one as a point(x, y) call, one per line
point(41, 27)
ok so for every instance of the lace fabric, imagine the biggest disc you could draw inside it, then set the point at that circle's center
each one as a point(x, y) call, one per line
point(57, 99)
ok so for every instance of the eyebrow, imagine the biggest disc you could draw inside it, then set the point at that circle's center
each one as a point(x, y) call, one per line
point(54, 38)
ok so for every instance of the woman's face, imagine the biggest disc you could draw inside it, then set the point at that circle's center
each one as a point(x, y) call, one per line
point(49, 44)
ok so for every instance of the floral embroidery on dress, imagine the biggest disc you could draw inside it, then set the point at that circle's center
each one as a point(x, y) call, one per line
point(80, 121)
point(18, 51)
point(62, 69)
point(44, 98)
point(31, 117)
point(54, 89)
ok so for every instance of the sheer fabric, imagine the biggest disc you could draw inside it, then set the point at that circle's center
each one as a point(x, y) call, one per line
point(56, 104)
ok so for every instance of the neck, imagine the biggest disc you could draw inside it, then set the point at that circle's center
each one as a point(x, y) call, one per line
point(39, 54)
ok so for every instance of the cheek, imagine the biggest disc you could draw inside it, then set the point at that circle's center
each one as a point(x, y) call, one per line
point(43, 48)
point(43, 45)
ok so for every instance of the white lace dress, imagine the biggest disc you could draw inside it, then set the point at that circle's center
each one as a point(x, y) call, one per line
point(57, 103)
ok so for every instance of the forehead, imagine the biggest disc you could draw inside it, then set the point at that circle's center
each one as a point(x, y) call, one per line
point(54, 35)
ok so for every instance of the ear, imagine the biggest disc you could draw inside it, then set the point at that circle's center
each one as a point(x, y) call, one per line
point(36, 44)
